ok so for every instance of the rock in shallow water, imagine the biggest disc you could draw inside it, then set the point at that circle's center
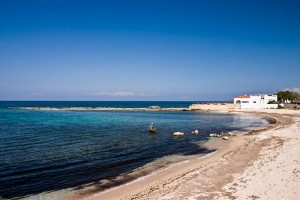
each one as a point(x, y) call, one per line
point(225, 138)
point(178, 134)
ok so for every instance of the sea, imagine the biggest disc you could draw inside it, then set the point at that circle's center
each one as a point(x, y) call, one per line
point(45, 151)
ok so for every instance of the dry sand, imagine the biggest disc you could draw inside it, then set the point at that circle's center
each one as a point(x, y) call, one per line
point(261, 165)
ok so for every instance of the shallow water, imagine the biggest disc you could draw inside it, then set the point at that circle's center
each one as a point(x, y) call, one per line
point(52, 150)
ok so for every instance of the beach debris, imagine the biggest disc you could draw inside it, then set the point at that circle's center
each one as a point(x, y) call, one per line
point(225, 138)
point(222, 135)
point(231, 134)
point(215, 135)
point(195, 132)
point(178, 134)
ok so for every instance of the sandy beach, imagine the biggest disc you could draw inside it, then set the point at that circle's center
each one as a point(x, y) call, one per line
point(263, 164)
point(149, 100)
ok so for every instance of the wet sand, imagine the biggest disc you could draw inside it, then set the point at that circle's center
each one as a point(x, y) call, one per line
point(263, 164)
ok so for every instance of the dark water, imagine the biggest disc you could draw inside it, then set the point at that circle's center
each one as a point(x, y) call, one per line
point(51, 150)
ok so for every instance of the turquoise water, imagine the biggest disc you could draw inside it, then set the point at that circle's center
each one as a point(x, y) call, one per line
point(52, 150)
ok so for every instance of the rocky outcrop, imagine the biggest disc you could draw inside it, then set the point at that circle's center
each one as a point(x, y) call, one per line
point(178, 134)
point(154, 107)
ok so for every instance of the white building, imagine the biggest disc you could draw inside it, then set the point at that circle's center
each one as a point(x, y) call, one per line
point(256, 101)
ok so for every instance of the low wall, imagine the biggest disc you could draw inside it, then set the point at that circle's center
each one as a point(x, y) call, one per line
point(292, 105)
point(214, 106)
point(258, 106)
point(229, 106)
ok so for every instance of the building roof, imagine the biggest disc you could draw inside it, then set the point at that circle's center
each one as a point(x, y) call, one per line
point(243, 96)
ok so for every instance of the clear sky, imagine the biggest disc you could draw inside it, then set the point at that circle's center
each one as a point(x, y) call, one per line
point(147, 49)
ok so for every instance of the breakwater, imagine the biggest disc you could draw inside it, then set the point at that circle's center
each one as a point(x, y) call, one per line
point(151, 108)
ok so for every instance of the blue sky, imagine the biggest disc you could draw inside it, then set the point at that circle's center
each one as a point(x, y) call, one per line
point(147, 49)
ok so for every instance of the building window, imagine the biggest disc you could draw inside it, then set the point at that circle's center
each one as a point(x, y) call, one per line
point(245, 101)
point(254, 101)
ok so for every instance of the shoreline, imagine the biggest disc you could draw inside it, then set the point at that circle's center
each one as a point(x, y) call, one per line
point(217, 145)
point(216, 169)
point(144, 172)
point(161, 183)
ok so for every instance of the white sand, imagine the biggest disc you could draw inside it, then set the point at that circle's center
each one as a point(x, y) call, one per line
point(276, 173)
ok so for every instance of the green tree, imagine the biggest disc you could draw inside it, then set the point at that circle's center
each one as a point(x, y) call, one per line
point(287, 95)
